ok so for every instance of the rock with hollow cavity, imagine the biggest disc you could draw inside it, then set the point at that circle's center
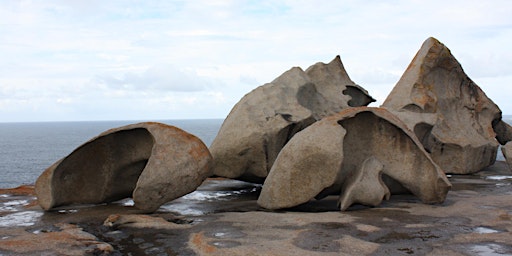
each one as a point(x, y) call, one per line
point(264, 120)
point(364, 154)
point(450, 114)
point(507, 153)
point(151, 162)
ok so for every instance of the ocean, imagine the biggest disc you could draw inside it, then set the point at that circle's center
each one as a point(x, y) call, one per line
point(27, 149)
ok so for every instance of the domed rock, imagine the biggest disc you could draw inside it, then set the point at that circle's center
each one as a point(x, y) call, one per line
point(450, 114)
point(363, 154)
point(151, 162)
point(265, 119)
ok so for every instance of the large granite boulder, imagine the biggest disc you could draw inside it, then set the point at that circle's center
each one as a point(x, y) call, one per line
point(265, 119)
point(151, 162)
point(450, 114)
point(363, 154)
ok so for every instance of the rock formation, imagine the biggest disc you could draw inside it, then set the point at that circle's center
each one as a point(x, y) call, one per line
point(450, 114)
point(507, 153)
point(151, 162)
point(503, 131)
point(264, 120)
point(364, 154)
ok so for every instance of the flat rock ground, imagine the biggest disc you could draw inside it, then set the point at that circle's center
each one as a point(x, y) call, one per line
point(222, 218)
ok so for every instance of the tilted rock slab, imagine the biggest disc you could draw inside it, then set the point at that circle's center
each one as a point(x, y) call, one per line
point(450, 114)
point(364, 154)
point(151, 162)
point(507, 153)
point(265, 119)
point(503, 131)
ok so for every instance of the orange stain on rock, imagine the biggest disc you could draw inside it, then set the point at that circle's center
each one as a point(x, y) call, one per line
point(201, 244)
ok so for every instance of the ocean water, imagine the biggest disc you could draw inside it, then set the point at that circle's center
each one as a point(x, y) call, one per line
point(27, 149)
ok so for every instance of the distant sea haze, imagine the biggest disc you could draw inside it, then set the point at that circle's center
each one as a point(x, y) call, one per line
point(27, 149)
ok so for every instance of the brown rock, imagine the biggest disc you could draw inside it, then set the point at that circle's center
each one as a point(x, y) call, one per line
point(264, 120)
point(69, 240)
point(346, 154)
point(140, 221)
point(151, 162)
point(450, 114)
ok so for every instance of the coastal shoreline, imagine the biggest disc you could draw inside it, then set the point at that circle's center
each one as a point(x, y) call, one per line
point(222, 218)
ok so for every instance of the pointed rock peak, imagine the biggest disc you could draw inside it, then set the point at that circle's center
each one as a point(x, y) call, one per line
point(437, 99)
point(335, 68)
point(435, 54)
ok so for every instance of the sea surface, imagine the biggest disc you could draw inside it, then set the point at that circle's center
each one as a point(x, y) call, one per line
point(27, 149)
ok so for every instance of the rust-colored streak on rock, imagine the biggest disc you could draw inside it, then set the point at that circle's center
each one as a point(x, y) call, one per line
point(23, 190)
point(200, 244)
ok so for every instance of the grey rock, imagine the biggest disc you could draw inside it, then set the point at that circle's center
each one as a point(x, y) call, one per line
point(151, 162)
point(450, 114)
point(503, 131)
point(265, 119)
point(507, 153)
point(350, 153)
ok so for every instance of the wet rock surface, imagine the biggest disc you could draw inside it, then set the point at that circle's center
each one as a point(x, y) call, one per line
point(223, 218)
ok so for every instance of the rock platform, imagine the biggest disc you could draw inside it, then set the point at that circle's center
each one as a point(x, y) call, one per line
point(223, 218)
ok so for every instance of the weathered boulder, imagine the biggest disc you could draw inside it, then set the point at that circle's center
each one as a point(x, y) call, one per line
point(151, 162)
point(265, 119)
point(503, 131)
point(450, 114)
point(507, 153)
point(364, 154)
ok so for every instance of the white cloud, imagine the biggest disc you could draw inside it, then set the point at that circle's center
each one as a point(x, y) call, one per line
point(125, 60)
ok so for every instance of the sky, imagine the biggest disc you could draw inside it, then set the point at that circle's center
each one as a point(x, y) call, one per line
point(70, 60)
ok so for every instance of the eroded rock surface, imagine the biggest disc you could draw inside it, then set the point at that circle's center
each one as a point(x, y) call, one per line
point(450, 114)
point(264, 120)
point(346, 154)
point(151, 162)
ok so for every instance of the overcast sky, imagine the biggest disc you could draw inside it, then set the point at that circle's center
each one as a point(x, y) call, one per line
point(153, 60)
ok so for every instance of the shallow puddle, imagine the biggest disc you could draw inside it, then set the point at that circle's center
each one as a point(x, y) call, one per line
point(216, 196)
point(499, 177)
point(488, 250)
point(20, 219)
point(485, 230)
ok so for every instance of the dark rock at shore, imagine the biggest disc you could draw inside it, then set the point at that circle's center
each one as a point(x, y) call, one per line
point(264, 120)
point(151, 162)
